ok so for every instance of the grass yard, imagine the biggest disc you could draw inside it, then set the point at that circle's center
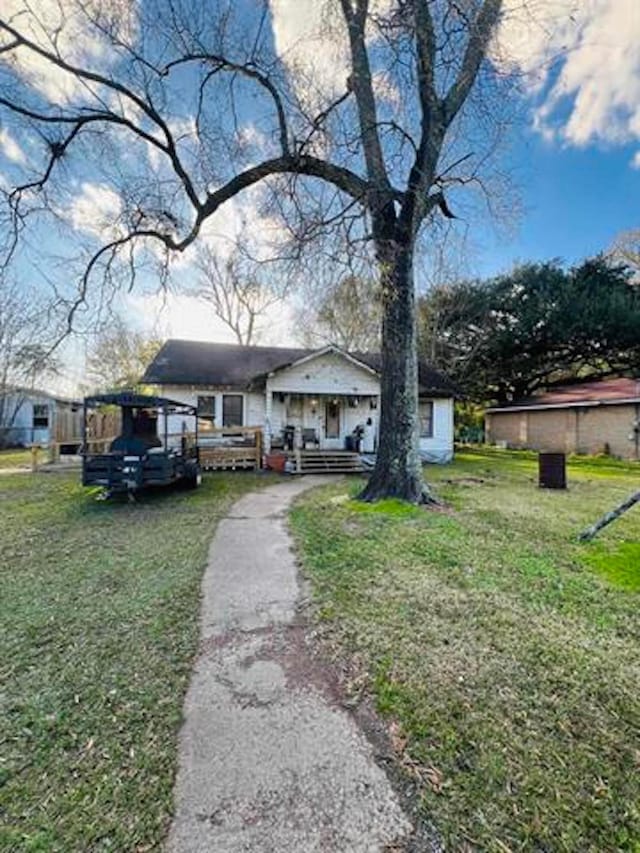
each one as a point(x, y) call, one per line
point(504, 654)
point(98, 628)
point(19, 458)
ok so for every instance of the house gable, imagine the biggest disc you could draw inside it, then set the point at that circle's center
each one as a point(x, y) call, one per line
point(327, 371)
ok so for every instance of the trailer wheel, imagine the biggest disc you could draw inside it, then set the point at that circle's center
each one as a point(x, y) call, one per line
point(192, 476)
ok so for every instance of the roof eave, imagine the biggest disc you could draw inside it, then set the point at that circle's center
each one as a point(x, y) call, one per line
point(629, 401)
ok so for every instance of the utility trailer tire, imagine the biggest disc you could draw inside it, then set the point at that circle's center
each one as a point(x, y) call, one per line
point(192, 477)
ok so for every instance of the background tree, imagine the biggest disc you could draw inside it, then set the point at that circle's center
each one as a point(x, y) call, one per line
point(179, 107)
point(348, 314)
point(535, 327)
point(240, 291)
point(626, 250)
point(25, 357)
point(119, 357)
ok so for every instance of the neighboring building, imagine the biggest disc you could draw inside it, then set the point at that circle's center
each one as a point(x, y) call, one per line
point(324, 394)
point(29, 416)
point(585, 417)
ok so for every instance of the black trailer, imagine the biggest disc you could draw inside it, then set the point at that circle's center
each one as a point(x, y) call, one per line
point(141, 456)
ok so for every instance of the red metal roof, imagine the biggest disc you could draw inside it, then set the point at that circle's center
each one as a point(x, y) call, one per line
point(582, 393)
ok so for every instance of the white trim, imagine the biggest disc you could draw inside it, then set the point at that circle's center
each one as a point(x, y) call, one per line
point(325, 351)
point(631, 401)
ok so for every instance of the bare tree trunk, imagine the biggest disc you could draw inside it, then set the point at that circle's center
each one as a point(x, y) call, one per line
point(588, 534)
point(398, 470)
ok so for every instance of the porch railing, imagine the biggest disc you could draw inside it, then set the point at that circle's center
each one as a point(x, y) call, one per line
point(226, 448)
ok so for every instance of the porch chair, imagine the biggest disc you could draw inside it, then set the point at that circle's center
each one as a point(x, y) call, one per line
point(310, 436)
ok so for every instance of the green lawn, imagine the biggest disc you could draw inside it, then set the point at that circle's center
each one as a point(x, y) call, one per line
point(503, 653)
point(19, 458)
point(98, 628)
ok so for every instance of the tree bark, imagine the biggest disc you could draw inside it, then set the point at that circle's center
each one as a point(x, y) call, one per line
point(398, 469)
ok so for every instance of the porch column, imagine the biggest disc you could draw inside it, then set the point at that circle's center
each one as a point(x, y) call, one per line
point(268, 406)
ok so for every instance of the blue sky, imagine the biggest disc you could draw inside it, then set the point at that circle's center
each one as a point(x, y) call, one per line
point(575, 201)
point(575, 158)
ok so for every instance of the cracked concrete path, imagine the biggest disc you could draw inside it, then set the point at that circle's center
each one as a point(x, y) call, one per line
point(269, 760)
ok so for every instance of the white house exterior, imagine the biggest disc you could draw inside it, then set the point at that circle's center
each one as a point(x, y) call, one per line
point(31, 417)
point(319, 396)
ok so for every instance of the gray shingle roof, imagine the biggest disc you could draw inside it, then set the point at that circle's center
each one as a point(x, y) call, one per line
point(182, 362)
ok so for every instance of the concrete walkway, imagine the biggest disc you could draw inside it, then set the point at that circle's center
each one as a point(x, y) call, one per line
point(269, 760)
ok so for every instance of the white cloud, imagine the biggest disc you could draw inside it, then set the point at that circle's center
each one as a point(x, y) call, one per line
point(580, 61)
point(311, 39)
point(582, 65)
point(240, 219)
point(181, 316)
point(76, 39)
point(635, 162)
point(95, 210)
point(11, 149)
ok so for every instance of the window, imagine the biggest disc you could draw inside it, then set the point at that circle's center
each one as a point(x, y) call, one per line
point(232, 414)
point(40, 416)
point(207, 407)
point(294, 407)
point(425, 416)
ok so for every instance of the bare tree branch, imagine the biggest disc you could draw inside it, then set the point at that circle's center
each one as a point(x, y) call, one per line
point(361, 83)
point(478, 41)
point(206, 104)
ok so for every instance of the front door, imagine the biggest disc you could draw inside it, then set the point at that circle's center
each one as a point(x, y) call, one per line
point(332, 424)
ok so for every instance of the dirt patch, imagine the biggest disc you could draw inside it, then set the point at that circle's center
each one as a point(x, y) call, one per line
point(307, 661)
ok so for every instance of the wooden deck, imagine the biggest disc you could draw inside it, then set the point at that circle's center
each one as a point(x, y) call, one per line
point(229, 458)
point(230, 449)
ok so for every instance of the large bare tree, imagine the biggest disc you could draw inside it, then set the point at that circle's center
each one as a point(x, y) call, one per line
point(24, 351)
point(216, 105)
point(239, 291)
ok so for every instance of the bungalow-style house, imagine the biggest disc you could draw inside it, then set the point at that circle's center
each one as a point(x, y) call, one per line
point(32, 417)
point(583, 417)
point(319, 398)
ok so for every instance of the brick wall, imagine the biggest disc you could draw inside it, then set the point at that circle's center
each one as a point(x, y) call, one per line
point(505, 427)
point(550, 430)
point(579, 430)
point(610, 425)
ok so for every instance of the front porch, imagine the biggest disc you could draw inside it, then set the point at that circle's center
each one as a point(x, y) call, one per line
point(241, 448)
point(320, 402)
point(314, 423)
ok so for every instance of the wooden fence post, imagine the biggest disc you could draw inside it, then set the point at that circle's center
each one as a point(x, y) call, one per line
point(259, 448)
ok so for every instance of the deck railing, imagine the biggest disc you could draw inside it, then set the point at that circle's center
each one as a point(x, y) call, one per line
point(225, 448)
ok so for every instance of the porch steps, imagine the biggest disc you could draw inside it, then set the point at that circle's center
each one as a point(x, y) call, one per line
point(328, 462)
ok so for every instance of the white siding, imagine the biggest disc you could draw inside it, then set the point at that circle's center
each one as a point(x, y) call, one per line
point(327, 374)
point(22, 431)
point(252, 414)
point(439, 448)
